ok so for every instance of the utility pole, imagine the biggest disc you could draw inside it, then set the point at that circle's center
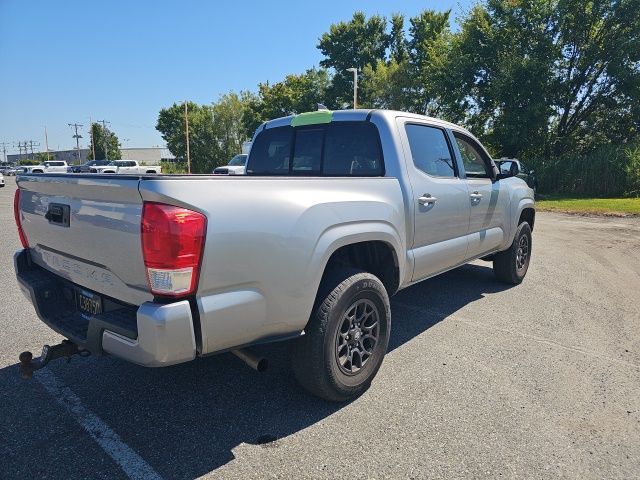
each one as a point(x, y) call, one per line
point(46, 142)
point(19, 150)
point(186, 128)
point(31, 145)
point(93, 143)
point(104, 133)
point(4, 151)
point(77, 136)
point(355, 86)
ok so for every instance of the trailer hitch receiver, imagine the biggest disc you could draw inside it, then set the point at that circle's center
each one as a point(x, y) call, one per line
point(64, 349)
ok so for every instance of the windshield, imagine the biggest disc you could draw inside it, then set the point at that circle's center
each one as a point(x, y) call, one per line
point(238, 161)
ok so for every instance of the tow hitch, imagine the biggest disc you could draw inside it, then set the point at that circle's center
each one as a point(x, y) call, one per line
point(64, 349)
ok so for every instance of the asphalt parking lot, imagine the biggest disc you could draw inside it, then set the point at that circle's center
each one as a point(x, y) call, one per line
point(481, 381)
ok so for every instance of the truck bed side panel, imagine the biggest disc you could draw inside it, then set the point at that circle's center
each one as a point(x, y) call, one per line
point(268, 240)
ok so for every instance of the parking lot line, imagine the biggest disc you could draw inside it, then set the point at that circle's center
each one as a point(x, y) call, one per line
point(131, 463)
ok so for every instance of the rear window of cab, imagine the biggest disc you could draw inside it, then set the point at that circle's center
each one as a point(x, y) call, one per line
point(330, 149)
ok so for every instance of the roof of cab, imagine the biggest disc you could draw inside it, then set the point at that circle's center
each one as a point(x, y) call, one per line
point(361, 114)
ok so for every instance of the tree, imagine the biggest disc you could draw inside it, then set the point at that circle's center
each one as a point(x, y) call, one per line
point(216, 131)
point(295, 94)
point(389, 85)
point(429, 48)
point(499, 76)
point(101, 136)
point(42, 157)
point(228, 127)
point(597, 74)
point(398, 71)
point(548, 77)
point(171, 124)
point(397, 40)
point(532, 78)
point(356, 43)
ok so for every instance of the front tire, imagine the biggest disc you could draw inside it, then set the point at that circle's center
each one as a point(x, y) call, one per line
point(511, 265)
point(346, 338)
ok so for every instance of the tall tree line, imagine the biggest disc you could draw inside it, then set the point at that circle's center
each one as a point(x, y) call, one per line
point(531, 78)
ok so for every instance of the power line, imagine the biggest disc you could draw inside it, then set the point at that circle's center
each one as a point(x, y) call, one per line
point(27, 145)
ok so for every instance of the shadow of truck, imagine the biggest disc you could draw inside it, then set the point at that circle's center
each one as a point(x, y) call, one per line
point(185, 420)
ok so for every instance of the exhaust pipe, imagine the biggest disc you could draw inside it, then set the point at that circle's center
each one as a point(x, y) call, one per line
point(256, 362)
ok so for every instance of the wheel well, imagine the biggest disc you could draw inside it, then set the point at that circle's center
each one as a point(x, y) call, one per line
point(37, 171)
point(528, 215)
point(151, 171)
point(375, 257)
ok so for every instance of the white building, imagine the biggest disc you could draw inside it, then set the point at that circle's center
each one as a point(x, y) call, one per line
point(144, 155)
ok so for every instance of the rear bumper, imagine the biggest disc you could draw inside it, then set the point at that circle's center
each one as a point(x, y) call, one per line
point(152, 335)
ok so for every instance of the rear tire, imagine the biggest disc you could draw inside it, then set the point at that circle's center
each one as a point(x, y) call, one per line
point(346, 338)
point(511, 265)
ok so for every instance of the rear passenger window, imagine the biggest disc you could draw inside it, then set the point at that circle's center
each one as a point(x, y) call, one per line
point(430, 150)
point(333, 149)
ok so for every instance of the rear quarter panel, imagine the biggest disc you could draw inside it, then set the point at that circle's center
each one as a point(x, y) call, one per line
point(268, 241)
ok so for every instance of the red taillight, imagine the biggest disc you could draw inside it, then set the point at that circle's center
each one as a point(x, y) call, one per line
point(172, 243)
point(16, 214)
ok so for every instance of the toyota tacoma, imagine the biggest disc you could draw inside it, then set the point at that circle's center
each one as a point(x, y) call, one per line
point(336, 213)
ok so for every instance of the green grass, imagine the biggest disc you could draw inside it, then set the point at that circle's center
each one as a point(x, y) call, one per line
point(604, 206)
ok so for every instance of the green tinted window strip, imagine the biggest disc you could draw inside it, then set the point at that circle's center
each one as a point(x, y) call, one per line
point(311, 118)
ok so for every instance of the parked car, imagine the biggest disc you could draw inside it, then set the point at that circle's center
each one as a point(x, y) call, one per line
point(125, 167)
point(523, 172)
point(336, 213)
point(53, 166)
point(9, 171)
point(1, 180)
point(86, 167)
point(236, 166)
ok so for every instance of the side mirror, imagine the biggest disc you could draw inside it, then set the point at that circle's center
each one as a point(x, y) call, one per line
point(507, 168)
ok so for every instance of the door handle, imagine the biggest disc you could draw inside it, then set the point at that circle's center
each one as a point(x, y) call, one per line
point(476, 195)
point(427, 199)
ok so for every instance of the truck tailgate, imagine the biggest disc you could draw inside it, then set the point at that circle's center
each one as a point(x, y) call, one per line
point(87, 230)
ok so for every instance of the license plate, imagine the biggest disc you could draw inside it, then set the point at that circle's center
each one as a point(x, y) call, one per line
point(89, 304)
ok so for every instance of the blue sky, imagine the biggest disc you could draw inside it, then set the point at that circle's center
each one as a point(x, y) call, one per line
point(64, 61)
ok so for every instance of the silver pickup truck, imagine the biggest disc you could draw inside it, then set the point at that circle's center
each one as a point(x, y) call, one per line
point(336, 213)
